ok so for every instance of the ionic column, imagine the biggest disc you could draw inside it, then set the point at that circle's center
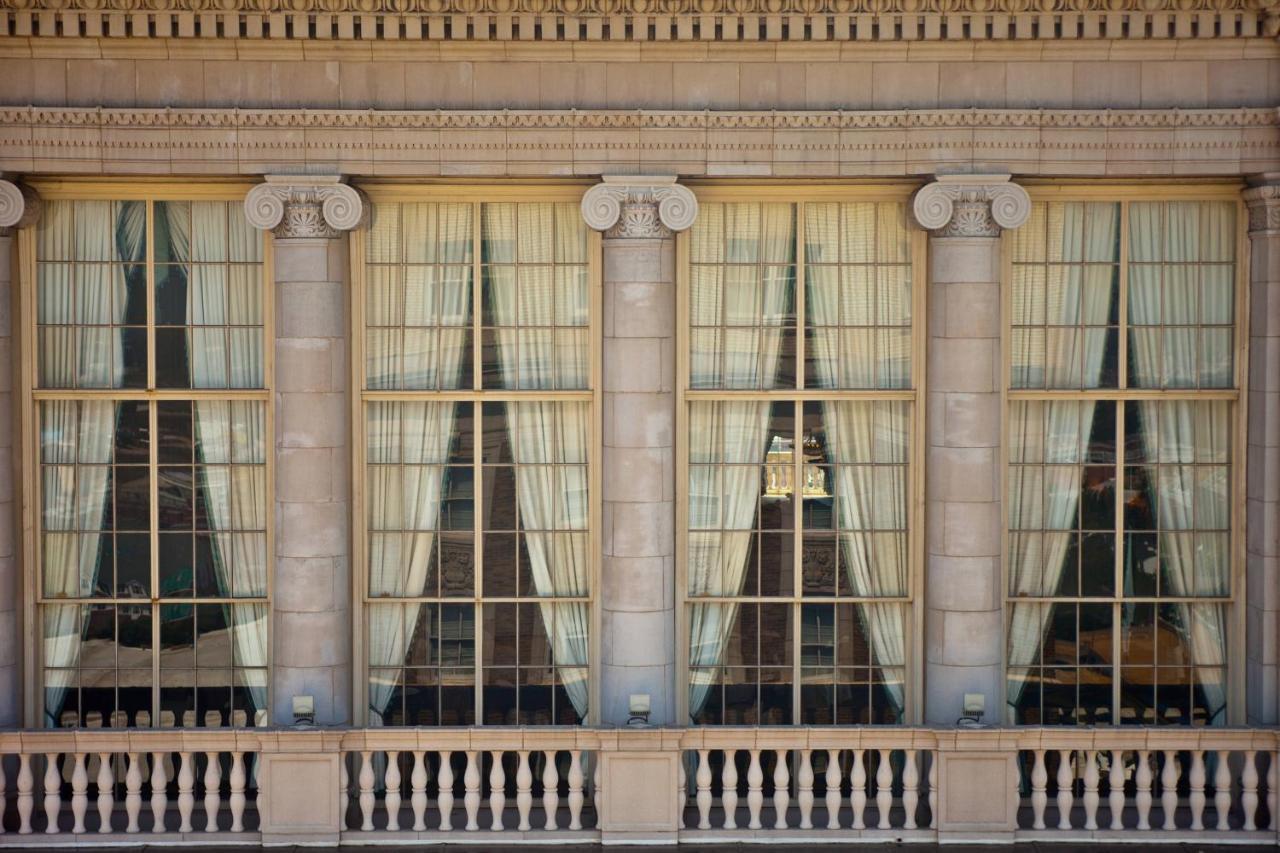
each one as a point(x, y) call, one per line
point(1262, 474)
point(964, 633)
point(19, 207)
point(311, 595)
point(637, 596)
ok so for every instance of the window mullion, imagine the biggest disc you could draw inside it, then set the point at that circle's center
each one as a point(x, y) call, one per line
point(1122, 317)
point(1118, 578)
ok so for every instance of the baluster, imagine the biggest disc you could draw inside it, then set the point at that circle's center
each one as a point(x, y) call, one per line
point(933, 790)
point(858, 796)
point(575, 789)
point(212, 790)
point(703, 776)
point(52, 792)
point(682, 789)
point(1249, 796)
point(159, 796)
point(106, 791)
point(1222, 790)
point(1196, 782)
point(186, 791)
point(1142, 798)
point(910, 786)
point(497, 791)
point(365, 781)
point(3, 801)
point(550, 790)
point(755, 790)
point(237, 792)
point(833, 789)
point(133, 792)
point(1091, 780)
point(1039, 790)
point(524, 790)
point(884, 788)
point(597, 790)
point(79, 793)
point(1066, 788)
point(729, 789)
point(804, 779)
point(1169, 791)
point(1115, 792)
point(391, 785)
point(471, 791)
point(444, 798)
point(1273, 790)
point(344, 789)
point(418, 796)
point(26, 794)
point(781, 789)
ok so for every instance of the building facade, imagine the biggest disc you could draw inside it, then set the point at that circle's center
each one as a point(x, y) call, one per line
point(639, 421)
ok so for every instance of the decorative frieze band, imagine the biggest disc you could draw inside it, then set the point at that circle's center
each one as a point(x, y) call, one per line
point(1263, 202)
point(20, 206)
point(303, 208)
point(970, 205)
point(639, 208)
point(640, 20)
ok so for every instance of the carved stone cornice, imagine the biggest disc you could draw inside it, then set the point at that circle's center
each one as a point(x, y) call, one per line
point(20, 206)
point(1263, 201)
point(296, 207)
point(641, 20)
point(970, 205)
point(639, 208)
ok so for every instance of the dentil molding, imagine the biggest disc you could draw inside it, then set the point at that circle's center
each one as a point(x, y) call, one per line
point(640, 207)
point(298, 207)
point(970, 205)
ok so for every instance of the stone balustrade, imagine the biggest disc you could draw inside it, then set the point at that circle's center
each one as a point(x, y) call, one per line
point(77, 786)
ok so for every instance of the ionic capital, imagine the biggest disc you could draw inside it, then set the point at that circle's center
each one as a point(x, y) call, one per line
point(639, 208)
point(298, 207)
point(970, 205)
point(1263, 202)
point(20, 206)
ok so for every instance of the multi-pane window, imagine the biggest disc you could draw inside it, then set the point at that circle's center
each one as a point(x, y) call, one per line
point(1122, 422)
point(476, 419)
point(151, 435)
point(798, 421)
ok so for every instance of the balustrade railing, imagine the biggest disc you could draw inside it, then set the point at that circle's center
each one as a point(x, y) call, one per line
point(542, 784)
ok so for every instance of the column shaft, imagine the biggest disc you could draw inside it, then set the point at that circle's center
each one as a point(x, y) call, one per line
point(1262, 475)
point(963, 500)
point(312, 591)
point(638, 578)
point(10, 600)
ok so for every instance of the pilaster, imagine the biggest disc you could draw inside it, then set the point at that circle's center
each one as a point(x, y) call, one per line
point(19, 208)
point(312, 581)
point(1262, 471)
point(964, 633)
point(638, 216)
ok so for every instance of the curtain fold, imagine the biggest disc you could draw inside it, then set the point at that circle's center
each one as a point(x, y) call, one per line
point(548, 439)
point(734, 432)
point(1046, 497)
point(1174, 431)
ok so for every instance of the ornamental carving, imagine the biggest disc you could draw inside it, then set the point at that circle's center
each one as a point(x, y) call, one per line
point(1264, 207)
point(20, 206)
point(970, 205)
point(598, 8)
point(303, 208)
point(639, 208)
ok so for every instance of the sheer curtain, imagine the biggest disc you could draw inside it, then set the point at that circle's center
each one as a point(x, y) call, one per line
point(1173, 431)
point(1046, 497)
point(867, 499)
point(549, 443)
point(734, 432)
point(80, 433)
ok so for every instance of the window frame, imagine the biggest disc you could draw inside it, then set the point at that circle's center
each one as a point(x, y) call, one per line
point(914, 395)
point(1123, 193)
point(25, 343)
point(474, 194)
